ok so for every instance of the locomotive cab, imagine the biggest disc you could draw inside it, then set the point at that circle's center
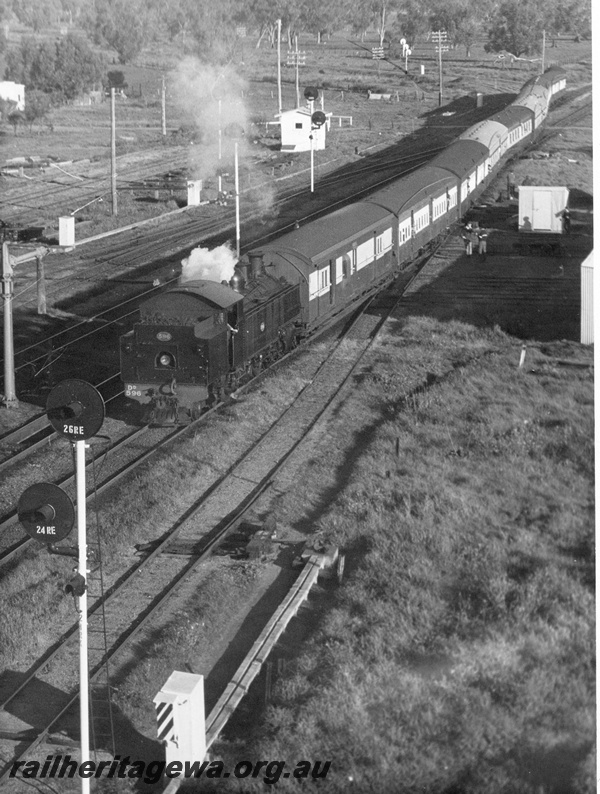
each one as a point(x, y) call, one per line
point(183, 344)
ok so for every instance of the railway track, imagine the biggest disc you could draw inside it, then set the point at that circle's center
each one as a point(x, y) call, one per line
point(135, 447)
point(129, 603)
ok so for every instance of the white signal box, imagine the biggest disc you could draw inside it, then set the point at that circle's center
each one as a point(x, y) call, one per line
point(194, 189)
point(66, 230)
point(180, 717)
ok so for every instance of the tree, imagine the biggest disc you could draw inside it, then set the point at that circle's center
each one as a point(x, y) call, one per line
point(16, 118)
point(572, 18)
point(517, 27)
point(66, 67)
point(37, 107)
point(120, 24)
point(77, 67)
point(37, 14)
point(460, 19)
point(318, 17)
point(412, 22)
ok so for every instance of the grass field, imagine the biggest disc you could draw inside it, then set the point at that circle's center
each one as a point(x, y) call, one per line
point(458, 656)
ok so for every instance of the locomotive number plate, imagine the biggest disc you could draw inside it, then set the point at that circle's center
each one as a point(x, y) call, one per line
point(164, 336)
point(132, 391)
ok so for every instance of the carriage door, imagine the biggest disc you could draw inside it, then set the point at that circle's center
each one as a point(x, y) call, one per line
point(232, 330)
point(332, 278)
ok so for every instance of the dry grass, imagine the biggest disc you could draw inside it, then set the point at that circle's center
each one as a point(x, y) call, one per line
point(458, 655)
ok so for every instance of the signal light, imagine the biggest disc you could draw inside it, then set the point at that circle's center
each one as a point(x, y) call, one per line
point(76, 586)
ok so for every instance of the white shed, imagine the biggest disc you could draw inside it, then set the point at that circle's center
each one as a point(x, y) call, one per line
point(587, 300)
point(541, 208)
point(14, 92)
point(296, 129)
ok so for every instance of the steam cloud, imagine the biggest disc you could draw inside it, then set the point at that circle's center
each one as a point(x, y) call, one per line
point(211, 98)
point(214, 264)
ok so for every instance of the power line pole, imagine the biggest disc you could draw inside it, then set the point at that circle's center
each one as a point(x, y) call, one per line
point(543, 50)
point(113, 153)
point(164, 106)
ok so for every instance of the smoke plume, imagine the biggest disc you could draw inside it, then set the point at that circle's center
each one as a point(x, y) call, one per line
point(214, 264)
point(212, 100)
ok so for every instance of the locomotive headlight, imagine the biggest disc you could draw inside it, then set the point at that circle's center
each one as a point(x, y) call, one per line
point(166, 360)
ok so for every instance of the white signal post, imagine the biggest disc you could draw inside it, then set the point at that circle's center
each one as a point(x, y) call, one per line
point(76, 411)
point(84, 682)
point(220, 150)
point(312, 150)
point(237, 203)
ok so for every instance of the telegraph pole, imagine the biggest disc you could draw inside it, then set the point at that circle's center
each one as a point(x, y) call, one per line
point(279, 66)
point(297, 74)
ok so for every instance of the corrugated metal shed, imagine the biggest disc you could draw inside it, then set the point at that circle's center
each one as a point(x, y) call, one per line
point(587, 300)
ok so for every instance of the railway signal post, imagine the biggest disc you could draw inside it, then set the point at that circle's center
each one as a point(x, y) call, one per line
point(76, 411)
point(440, 38)
point(311, 94)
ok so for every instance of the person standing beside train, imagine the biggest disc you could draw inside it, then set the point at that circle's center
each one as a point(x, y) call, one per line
point(482, 236)
point(467, 237)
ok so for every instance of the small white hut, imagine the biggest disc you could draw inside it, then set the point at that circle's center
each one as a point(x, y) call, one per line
point(296, 129)
point(13, 92)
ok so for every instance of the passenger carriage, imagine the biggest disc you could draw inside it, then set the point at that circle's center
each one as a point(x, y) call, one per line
point(334, 258)
point(424, 206)
point(470, 163)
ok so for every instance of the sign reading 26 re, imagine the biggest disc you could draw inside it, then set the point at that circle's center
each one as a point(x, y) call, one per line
point(75, 409)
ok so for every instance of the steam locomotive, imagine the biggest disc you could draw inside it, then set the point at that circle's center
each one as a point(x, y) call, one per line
point(204, 337)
